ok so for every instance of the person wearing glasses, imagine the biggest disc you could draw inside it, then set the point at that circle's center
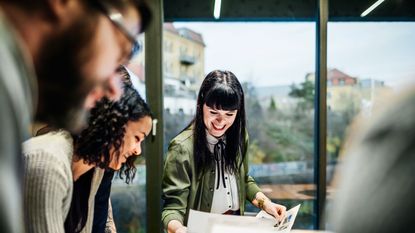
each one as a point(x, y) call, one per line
point(206, 166)
point(56, 59)
point(64, 171)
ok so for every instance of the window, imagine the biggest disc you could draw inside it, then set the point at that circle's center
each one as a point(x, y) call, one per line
point(275, 73)
point(381, 58)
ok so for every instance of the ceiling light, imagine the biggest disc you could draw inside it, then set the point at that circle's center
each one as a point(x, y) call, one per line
point(371, 8)
point(216, 12)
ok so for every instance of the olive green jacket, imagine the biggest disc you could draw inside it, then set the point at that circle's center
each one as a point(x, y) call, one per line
point(182, 190)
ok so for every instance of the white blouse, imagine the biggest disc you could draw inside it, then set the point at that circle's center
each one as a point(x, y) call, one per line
point(224, 199)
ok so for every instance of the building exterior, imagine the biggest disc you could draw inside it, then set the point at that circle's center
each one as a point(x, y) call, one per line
point(178, 99)
point(345, 92)
point(337, 78)
point(183, 68)
point(184, 56)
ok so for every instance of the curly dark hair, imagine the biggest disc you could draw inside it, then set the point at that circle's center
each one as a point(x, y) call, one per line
point(106, 129)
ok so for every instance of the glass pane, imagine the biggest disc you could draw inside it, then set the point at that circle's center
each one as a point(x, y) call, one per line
point(184, 68)
point(274, 62)
point(367, 62)
point(129, 200)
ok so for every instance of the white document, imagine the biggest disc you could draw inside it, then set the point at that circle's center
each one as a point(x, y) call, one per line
point(202, 222)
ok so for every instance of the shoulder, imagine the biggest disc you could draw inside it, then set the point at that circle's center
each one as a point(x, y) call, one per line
point(181, 146)
point(183, 141)
point(186, 136)
point(57, 143)
point(48, 183)
point(49, 153)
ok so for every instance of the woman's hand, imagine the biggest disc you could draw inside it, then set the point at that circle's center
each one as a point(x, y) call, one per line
point(174, 226)
point(263, 202)
point(181, 230)
point(278, 211)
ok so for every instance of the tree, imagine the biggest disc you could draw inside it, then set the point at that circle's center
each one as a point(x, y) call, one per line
point(272, 105)
point(305, 93)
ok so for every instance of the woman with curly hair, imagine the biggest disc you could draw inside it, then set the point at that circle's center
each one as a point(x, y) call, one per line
point(63, 172)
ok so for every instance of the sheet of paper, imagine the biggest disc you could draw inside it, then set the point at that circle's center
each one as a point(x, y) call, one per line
point(202, 222)
point(288, 221)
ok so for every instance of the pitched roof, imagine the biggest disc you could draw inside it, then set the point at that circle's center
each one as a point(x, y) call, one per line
point(336, 74)
point(170, 27)
point(191, 35)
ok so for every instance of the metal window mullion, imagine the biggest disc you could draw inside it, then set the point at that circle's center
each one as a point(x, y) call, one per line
point(154, 95)
point(320, 113)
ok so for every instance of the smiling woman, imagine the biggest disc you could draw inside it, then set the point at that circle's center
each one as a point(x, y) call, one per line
point(206, 166)
point(112, 141)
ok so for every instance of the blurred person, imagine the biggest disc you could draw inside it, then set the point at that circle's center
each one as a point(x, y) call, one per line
point(206, 166)
point(64, 172)
point(76, 47)
point(376, 182)
point(56, 59)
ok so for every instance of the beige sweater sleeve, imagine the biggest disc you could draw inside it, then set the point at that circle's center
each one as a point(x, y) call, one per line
point(96, 181)
point(110, 226)
point(47, 192)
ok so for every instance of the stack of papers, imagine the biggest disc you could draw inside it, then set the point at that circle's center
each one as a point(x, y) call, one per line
point(202, 222)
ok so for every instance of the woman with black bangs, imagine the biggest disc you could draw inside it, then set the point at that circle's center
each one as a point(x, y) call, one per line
point(206, 167)
point(64, 171)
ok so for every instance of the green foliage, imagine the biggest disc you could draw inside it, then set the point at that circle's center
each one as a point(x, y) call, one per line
point(333, 147)
point(279, 135)
point(283, 135)
point(272, 105)
point(305, 92)
point(256, 155)
point(337, 123)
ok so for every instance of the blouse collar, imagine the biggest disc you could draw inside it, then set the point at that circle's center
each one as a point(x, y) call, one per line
point(212, 140)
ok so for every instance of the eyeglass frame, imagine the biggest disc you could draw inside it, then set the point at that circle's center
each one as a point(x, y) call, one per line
point(117, 19)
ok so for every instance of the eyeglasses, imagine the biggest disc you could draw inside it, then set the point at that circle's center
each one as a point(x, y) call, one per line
point(117, 19)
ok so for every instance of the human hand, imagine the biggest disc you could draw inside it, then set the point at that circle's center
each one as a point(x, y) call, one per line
point(278, 211)
point(182, 229)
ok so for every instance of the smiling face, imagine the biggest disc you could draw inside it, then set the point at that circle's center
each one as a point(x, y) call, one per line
point(218, 121)
point(135, 133)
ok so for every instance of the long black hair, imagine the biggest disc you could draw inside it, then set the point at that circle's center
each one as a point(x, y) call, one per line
point(220, 90)
point(105, 131)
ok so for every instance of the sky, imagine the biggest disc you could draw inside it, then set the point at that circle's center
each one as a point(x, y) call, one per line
point(281, 53)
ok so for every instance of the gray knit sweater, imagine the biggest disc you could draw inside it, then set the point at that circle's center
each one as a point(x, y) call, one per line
point(48, 181)
point(49, 184)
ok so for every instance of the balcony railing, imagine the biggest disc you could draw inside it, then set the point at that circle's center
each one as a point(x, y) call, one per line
point(187, 59)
